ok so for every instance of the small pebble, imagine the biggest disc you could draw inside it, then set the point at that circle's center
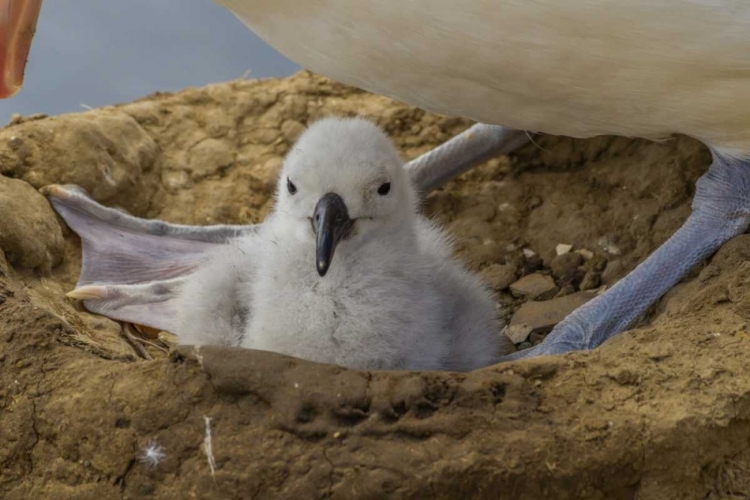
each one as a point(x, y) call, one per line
point(566, 265)
point(535, 287)
point(562, 249)
point(544, 315)
point(586, 254)
point(499, 276)
point(518, 333)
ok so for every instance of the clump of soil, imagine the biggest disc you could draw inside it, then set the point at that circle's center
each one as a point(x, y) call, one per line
point(659, 412)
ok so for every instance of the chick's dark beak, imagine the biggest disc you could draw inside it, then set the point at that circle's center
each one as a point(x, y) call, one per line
point(331, 224)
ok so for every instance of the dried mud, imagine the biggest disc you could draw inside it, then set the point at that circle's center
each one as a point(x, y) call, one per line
point(659, 412)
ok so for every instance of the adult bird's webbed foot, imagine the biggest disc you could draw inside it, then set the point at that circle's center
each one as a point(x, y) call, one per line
point(721, 210)
point(133, 267)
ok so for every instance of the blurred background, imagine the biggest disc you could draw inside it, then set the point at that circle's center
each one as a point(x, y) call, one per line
point(94, 52)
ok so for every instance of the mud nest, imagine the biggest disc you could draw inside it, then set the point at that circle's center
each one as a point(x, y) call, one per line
point(660, 412)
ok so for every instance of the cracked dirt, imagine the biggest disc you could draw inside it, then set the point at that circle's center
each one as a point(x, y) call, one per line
point(660, 412)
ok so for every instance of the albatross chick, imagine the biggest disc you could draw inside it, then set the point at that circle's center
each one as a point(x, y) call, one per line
point(345, 269)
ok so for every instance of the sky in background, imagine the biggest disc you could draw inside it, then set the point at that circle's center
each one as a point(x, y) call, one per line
point(97, 52)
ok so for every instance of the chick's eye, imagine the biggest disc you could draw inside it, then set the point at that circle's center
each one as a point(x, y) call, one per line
point(290, 186)
point(384, 189)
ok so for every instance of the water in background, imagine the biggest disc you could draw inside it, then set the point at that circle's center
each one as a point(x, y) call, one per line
point(94, 52)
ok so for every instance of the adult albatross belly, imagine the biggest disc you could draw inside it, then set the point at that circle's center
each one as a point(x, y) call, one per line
point(638, 68)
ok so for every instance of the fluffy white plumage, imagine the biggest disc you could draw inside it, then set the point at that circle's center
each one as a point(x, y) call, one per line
point(393, 298)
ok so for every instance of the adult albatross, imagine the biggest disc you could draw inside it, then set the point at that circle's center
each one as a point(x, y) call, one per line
point(581, 68)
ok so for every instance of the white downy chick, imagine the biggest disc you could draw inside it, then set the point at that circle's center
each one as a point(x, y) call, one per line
point(345, 270)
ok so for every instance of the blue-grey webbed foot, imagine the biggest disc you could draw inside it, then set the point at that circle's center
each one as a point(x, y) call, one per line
point(721, 210)
point(133, 267)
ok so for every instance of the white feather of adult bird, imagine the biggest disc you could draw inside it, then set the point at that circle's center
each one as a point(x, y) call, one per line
point(580, 68)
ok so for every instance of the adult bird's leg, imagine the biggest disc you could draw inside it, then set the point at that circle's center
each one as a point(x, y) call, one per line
point(17, 26)
point(464, 151)
point(721, 210)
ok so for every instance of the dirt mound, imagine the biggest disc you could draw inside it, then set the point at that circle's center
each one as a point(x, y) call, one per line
point(660, 412)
